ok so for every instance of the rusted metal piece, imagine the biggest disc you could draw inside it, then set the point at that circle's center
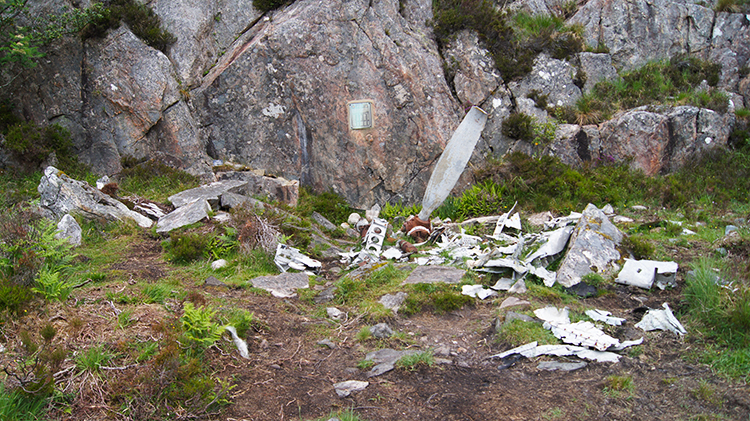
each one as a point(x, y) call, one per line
point(417, 228)
point(406, 247)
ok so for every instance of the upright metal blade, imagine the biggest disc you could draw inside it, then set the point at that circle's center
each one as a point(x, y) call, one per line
point(453, 161)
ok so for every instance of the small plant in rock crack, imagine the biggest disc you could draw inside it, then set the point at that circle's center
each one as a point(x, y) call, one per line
point(198, 326)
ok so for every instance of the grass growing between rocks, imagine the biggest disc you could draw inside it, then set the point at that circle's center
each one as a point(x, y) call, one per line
point(719, 306)
point(513, 41)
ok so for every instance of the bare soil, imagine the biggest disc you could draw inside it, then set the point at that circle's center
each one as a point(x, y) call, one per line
point(290, 376)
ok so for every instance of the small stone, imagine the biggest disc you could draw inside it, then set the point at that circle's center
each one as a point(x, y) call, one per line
point(211, 281)
point(381, 331)
point(373, 212)
point(263, 344)
point(275, 366)
point(608, 209)
point(328, 343)
point(514, 302)
point(519, 287)
point(69, 229)
point(582, 289)
point(393, 301)
point(353, 219)
point(619, 219)
point(442, 350)
point(730, 229)
point(335, 313)
point(344, 389)
point(218, 264)
point(325, 296)
point(323, 221)
point(638, 208)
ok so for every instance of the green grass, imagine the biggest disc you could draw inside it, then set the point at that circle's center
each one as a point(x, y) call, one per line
point(415, 361)
point(93, 358)
point(519, 332)
point(17, 406)
point(720, 316)
point(154, 180)
point(616, 385)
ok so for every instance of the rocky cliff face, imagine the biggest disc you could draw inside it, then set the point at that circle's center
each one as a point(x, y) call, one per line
point(271, 90)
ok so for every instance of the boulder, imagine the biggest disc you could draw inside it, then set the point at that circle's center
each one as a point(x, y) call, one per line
point(596, 68)
point(639, 135)
point(474, 74)
point(208, 192)
point(593, 248)
point(203, 31)
point(274, 188)
point(638, 31)
point(434, 274)
point(278, 99)
point(550, 77)
point(69, 229)
point(128, 87)
point(60, 194)
point(188, 214)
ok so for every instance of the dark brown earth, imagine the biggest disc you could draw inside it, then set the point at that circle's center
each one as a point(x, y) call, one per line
point(289, 376)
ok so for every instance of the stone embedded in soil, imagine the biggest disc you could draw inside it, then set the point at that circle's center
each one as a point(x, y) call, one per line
point(385, 360)
point(344, 389)
point(514, 302)
point(554, 366)
point(335, 313)
point(284, 285)
point(435, 274)
point(325, 296)
point(69, 229)
point(393, 301)
point(211, 281)
point(381, 331)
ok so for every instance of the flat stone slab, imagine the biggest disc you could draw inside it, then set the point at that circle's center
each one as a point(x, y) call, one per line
point(284, 285)
point(554, 366)
point(185, 215)
point(209, 192)
point(435, 274)
point(344, 389)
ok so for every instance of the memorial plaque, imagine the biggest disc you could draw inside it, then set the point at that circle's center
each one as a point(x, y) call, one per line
point(360, 115)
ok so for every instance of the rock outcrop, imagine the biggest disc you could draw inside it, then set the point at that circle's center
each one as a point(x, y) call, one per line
point(271, 91)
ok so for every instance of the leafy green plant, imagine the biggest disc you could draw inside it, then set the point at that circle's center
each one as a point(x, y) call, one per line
point(94, 358)
point(156, 293)
point(512, 41)
point(329, 204)
point(198, 326)
point(364, 334)
point(414, 361)
point(125, 319)
point(242, 320)
point(51, 286)
point(446, 301)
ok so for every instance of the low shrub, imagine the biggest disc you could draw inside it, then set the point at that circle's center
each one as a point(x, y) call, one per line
point(519, 126)
point(139, 17)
